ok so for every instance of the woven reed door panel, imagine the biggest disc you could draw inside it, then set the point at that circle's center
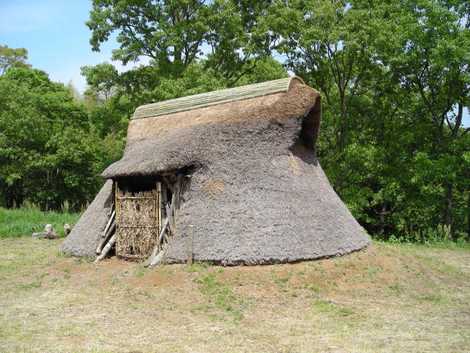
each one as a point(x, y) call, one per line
point(138, 222)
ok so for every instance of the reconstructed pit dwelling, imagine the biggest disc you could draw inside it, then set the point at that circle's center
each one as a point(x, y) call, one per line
point(229, 177)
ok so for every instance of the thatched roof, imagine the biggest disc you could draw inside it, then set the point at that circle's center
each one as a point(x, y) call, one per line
point(86, 234)
point(164, 136)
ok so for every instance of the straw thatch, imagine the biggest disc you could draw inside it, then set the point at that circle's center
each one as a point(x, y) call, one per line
point(166, 142)
point(86, 234)
point(138, 223)
point(257, 193)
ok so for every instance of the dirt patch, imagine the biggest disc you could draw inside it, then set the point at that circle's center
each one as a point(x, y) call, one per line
point(386, 298)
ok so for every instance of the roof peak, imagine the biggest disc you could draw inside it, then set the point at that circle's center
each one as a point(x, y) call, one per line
point(215, 97)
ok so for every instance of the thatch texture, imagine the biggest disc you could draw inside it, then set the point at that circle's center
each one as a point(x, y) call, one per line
point(86, 234)
point(257, 193)
point(138, 223)
point(162, 143)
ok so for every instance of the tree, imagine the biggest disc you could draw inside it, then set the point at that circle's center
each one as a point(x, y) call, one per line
point(190, 47)
point(394, 77)
point(102, 79)
point(170, 33)
point(173, 35)
point(49, 153)
point(314, 36)
point(431, 61)
point(10, 57)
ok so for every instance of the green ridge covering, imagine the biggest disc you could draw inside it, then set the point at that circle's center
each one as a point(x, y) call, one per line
point(212, 98)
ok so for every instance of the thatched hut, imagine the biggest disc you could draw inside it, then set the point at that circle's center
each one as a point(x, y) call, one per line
point(229, 177)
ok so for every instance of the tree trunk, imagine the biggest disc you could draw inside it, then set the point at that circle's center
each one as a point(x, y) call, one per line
point(449, 198)
point(382, 219)
point(343, 123)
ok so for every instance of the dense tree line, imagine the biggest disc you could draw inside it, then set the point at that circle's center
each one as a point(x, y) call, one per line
point(394, 76)
point(50, 153)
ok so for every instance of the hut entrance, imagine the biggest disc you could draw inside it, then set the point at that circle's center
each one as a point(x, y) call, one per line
point(145, 215)
point(138, 217)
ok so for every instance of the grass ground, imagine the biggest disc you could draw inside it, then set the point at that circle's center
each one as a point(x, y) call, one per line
point(25, 221)
point(388, 298)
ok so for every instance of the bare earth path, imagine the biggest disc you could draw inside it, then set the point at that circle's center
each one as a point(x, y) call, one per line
point(386, 299)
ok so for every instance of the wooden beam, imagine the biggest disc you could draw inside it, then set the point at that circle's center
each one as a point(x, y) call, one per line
point(165, 226)
point(106, 237)
point(158, 248)
point(107, 248)
point(110, 226)
point(158, 205)
point(111, 219)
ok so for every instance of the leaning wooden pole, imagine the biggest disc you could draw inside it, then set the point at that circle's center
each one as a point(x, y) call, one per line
point(107, 248)
point(110, 221)
point(157, 250)
point(102, 242)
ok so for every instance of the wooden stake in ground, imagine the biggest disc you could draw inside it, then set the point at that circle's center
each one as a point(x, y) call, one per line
point(190, 245)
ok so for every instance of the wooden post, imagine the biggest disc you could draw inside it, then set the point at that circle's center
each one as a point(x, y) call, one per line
point(158, 205)
point(117, 207)
point(190, 245)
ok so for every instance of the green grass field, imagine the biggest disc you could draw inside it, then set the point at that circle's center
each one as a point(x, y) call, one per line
point(25, 221)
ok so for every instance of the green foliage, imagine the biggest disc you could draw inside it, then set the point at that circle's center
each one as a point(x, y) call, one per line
point(102, 77)
point(25, 221)
point(395, 80)
point(11, 57)
point(49, 152)
point(175, 34)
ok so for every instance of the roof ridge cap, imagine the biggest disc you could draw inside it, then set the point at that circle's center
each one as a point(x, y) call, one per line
point(207, 99)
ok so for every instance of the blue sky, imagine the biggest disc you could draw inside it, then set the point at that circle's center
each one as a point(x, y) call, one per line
point(55, 34)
